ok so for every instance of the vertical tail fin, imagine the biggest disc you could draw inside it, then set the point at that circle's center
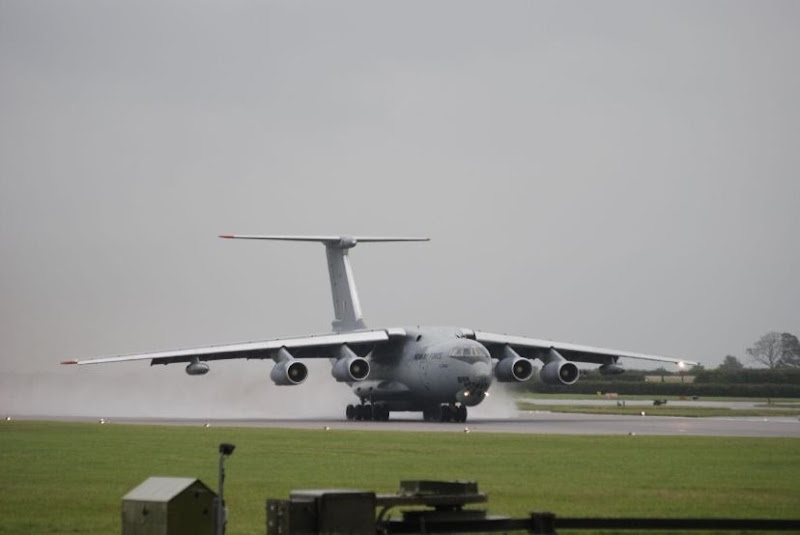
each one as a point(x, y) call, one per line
point(346, 306)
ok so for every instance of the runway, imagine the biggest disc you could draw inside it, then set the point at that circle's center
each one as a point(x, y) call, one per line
point(526, 422)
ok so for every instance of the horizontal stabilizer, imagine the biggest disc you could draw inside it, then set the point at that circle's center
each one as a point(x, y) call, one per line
point(323, 239)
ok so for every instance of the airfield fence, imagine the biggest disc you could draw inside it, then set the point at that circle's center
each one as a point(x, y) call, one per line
point(550, 524)
point(350, 511)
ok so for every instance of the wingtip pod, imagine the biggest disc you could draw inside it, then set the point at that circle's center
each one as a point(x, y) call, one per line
point(226, 236)
point(69, 362)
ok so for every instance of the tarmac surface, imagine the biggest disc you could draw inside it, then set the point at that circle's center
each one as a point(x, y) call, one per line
point(528, 422)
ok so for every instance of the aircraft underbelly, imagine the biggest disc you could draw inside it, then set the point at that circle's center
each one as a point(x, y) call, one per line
point(381, 390)
point(415, 384)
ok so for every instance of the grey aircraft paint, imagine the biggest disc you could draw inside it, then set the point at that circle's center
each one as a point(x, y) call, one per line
point(440, 371)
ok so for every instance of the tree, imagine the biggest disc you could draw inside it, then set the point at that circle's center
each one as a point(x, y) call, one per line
point(767, 350)
point(730, 364)
point(790, 350)
point(776, 350)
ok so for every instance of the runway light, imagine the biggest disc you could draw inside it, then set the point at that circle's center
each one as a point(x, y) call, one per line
point(643, 413)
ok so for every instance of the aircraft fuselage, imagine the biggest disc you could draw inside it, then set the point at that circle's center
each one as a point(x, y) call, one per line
point(428, 367)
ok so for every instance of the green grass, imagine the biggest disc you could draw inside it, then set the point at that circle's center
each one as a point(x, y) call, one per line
point(70, 477)
point(650, 397)
point(784, 405)
point(663, 410)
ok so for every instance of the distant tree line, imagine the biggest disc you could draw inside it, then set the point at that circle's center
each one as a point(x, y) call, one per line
point(779, 352)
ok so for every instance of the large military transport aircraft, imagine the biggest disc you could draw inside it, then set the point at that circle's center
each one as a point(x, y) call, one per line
point(439, 371)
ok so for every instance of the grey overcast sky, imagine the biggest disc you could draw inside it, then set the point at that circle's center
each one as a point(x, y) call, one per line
point(621, 174)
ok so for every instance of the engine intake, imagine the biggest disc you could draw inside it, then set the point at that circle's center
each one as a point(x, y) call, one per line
point(559, 372)
point(288, 372)
point(349, 369)
point(513, 369)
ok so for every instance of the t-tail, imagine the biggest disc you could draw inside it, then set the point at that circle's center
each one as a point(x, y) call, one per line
point(346, 307)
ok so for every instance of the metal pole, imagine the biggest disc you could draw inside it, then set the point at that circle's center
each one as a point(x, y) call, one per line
point(220, 500)
point(222, 516)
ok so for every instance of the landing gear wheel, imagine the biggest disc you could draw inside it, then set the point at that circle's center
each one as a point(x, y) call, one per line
point(433, 414)
point(350, 412)
point(461, 414)
point(381, 414)
point(447, 414)
point(365, 413)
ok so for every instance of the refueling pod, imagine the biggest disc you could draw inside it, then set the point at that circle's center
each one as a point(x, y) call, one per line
point(197, 368)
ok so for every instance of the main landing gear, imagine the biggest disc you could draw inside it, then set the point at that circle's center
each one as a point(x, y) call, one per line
point(367, 412)
point(445, 413)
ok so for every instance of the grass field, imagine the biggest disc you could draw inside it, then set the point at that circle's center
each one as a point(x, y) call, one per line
point(70, 477)
point(674, 407)
point(664, 410)
point(650, 397)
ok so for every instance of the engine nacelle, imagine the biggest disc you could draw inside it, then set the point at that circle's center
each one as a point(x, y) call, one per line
point(559, 372)
point(350, 369)
point(512, 369)
point(288, 372)
point(611, 369)
point(197, 368)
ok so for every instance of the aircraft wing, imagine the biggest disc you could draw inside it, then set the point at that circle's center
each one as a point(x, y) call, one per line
point(536, 348)
point(313, 346)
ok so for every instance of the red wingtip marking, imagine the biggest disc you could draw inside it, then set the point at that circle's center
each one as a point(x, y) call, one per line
point(70, 362)
point(226, 235)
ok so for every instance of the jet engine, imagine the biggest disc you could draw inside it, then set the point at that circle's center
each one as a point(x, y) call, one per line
point(559, 372)
point(349, 369)
point(197, 368)
point(288, 372)
point(512, 369)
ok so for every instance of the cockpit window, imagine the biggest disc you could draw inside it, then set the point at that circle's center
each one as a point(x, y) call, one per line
point(468, 351)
